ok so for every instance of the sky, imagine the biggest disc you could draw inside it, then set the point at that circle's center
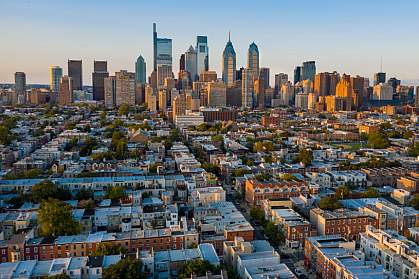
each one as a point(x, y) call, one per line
point(347, 36)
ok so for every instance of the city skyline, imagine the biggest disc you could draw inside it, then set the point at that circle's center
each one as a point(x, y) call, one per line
point(309, 32)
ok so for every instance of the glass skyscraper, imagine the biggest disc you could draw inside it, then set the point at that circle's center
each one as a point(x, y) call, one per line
point(75, 72)
point(140, 70)
point(202, 61)
point(55, 75)
point(308, 70)
point(253, 60)
point(191, 63)
point(229, 64)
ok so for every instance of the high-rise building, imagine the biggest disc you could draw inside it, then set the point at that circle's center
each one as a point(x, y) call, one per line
point(357, 83)
point(322, 84)
point(55, 75)
point(259, 93)
point(264, 75)
point(280, 79)
point(182, 62)
point(217, 94)
point(229, 63)
point(297, 74)
point(20, 88)
point(110, 91)
point(125, 88)
point(308, 70)
point(247, 89)
point(382, 92)
point(140, 70)
point(162, 48)
point(65, 95)
point(202, 61)
point(163, 71)
point(191, 63)
point(253, 60)
point(394, 82)
point(334, 80)
point(287, 94)
point(208, 76)
point(100, 72)
point(162, 100)
point(344, 93)
point(179, 105)
point(417, 97)
point(75, 72)
point(379, 77)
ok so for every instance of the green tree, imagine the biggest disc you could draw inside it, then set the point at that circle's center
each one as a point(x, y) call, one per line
point(305, 156)
point(371, 193)
point(274, 233)
point(47, 189)
point(84, 194)
point(288, 177)
point(121, 149)
point(54, 217)
point(378, 141)
point(257, 214)
point(414, 202)
point(123, 109)
point(329, 203)
point(87, 204)
point(5, 135)
point(198, 267)
point(126, 268)
point(105, 249)
point(115, 193)
point(211, 168)
point(414, 150)
point(342, 192)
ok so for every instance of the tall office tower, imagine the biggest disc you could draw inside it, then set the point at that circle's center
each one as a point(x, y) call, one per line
point(357, 84)
point(190, 63)
point(234, 94)
point(239, 74)
point(65, 95)
point(202, 61)
point(182, 62)
point(55, 75)
point(301, 101)
point(264, 75)
point(217, 94)
point(208, 76)
point(162, 48)
point(139, 93)
point(308, 70)
point(287, 94)
point(154, 47)
point(322, 84)
point(253, 60)
point(247, 89)
point(334, 80)
point(382, 92)
point(280, 79)
point(344, 93)
point(417, 97)
point(394, 82)
point(379, 77)
point(297, 74)
point(179, 105)
point(163, 71)
point(100, 72)
point(229, 63)
point(259, 93)
point(125, 88)
point(148, 92)
point(162, 100)
point(75, 72)
point(184, 80)
point(20, 88)
point(140, 70)
point(110, 91)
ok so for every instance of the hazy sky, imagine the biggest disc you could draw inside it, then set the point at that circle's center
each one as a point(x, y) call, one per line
point(347, 36)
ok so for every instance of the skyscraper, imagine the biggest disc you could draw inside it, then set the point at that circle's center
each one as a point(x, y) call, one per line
point(140, 70)
point(110, 91)
point(308, 70)
point(379, 77)
point(100, 72)
point(20, 88)
point(191, 63)
point(154, 47)
point(382, 92)
point(217, 94)
point(202, 60)
point(162, 56)
point(264, 75)
point(297, 74)
point(322, 84)
point(280, 79)
point(163, 72)
point(229, 63)
point(182, 62)
point(75, 72)
point(253, 60)
point(125, 88)
point(247, 89)
point(65, 95)
point(55, 75)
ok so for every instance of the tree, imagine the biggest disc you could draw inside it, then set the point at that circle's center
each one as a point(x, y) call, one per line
point(47, 189)
point(342, 192)
point(54, 217)
point(305, 156)
point(84, 194)
point(211, 168)
point(87, 204)
point(198, 267)
point(5, 135)
point(378, 141)
point(123, 109)
point(121, 149)
point(126, 268)
point(115, 193)
point(414, 150)
point(275, 235)
point(414, 202)
point(257, 214)
point(328, 203)
point(104, 249)
point(288, 177)
point(371, 193)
